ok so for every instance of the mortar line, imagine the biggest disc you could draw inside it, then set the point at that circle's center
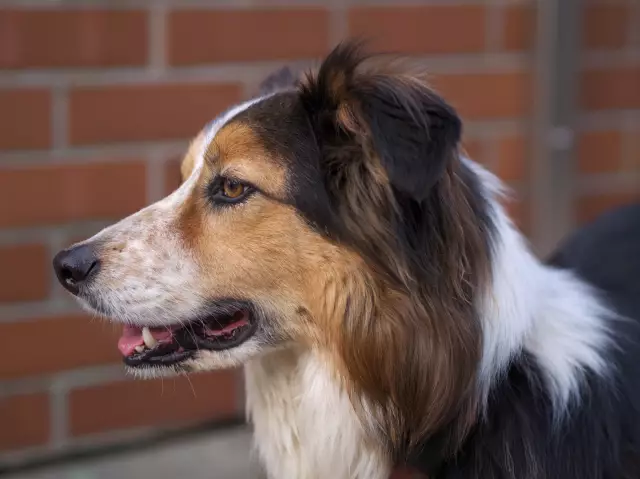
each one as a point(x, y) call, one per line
point(99, 153)
point(338, 23)
point(59, 117)
point(494, 33)
point(155, 177)
point(235, 4)
point(606, 183)
point(633, 27)
point(59, 415)
point(157, 38)
point(48, 309)
point(463, 63)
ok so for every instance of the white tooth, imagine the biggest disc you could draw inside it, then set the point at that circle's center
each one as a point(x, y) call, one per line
point(148, 338)
point(139, 349)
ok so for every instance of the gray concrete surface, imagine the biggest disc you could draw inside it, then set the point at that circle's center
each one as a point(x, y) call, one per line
point(219, 455)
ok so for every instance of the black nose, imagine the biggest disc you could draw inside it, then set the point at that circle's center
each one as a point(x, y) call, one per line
point(75, 266)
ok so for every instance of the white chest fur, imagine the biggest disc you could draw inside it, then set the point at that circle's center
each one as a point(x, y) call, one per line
point(304, 424)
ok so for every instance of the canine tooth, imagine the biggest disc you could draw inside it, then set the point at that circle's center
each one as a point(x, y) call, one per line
point(148, 338)
point(139, 349)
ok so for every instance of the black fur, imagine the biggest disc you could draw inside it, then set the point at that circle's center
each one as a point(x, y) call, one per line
point(278, 80)
point(600, 436)
point(413, 131)
point(606, 253)
point(281, 123)
point(415, 134)
point(414, 137)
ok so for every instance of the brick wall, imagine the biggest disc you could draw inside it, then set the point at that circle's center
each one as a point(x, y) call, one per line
point(97, 104)
point(608, 142)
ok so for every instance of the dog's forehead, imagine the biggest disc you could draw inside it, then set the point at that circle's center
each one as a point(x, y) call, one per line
point(211, 129)
point(278, 122)
point(280, 129)
point(274, 124)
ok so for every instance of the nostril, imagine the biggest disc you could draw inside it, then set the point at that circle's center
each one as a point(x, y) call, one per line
point(93, 266)
point(66, 274)
point(74, 266)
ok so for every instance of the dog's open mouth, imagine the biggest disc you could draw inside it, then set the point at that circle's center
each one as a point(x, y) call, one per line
point(165, 346)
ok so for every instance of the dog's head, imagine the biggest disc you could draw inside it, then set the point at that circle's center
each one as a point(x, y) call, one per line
point(336, 216)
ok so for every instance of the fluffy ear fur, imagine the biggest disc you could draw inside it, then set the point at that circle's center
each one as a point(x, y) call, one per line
point(411, 131)
point(278, 80)
point(402, 199)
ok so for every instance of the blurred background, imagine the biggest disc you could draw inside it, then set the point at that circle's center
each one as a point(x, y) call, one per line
point(98, 100)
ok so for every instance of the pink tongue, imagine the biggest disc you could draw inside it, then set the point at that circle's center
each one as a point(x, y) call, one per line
point(227, 329)
point(132, 338)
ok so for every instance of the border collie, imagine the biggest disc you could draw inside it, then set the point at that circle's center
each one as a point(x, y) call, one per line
point(334, 239)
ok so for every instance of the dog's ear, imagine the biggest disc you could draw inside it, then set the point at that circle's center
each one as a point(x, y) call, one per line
point(410, 129)
point(413, 131)
point(280, 79)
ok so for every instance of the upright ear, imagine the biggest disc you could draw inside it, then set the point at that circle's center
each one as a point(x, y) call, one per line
point(280, 79)
point(411, 130)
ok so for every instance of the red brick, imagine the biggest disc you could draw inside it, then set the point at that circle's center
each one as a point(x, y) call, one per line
point(44, 38)
point(511, 160)
point(519, 27)
point(26, 273)
point(606, 26)
point(633, 155)
point(33, 195)
point(166, 402)
point(421, 29)
point(589, 208)
point(62, 343)
point(611, 88)
point(210, 36)
point(476, 150)
point(487, 95)
point(518, 211)
point(145, 112)
point(172, 176)
point(25, 119)
point(25, 421)
point(599, 152)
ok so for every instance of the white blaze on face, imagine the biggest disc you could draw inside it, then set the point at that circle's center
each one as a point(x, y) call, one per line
point(148, 277)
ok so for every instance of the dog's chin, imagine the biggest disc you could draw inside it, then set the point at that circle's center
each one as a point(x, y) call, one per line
point(223, 334)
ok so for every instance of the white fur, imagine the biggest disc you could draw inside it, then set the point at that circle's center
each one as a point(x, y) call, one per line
point(305, 426)
point(152, 279)
point(549, 313)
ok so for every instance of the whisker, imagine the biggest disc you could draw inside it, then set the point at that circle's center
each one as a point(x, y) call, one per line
point(191, 386)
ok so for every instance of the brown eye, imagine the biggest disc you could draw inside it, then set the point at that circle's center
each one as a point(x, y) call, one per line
point(226, 190)
point(232, 189)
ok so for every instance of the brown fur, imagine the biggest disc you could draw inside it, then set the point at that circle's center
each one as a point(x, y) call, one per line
point(407, 348)
point(261, 250)
point(411, 349)
point(361, 256)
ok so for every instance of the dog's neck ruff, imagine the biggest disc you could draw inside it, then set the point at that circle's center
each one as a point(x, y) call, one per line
point(304, 423)
point(306, 426)
point(531, 308)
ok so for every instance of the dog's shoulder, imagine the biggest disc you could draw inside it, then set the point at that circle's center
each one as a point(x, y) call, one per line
point(598, 438)
point(606, 253)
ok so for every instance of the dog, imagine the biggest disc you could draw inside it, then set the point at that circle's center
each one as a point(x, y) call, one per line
point(334, 239)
